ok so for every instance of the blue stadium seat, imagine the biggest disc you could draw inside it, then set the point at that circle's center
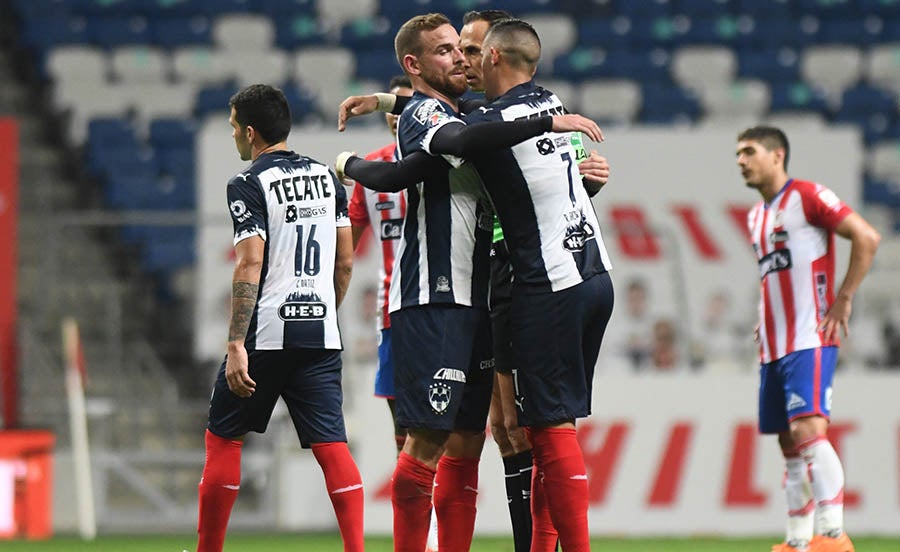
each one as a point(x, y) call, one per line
point(667, 103)
point(857, 30)
point(775, 9)
point(215, 8)
point(167, 256)
point(886, 8)
point(712, 30)
point(647, 9)
point(580, 64)
point(109, 32)
point(173, 32)
point(604, 32)
point(213, 98)
point(176, 162)
point(656, 32)
point(112, 132)
point(582, 8)
point(172, 133)
point(797, 96)
point(295, 31)
point(278, 9)
point(705, 8)
point(770, 65)
point(302, 101)
point(827, 8)
point(772, 32)
point(129, 189)
point(400, 10)
point(368, 34)
point(31, 10)
point(865, 99)
point(379, 65)
point(876, 192)
point(45, 33)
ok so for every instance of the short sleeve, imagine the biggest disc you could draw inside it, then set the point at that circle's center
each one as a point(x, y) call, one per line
point(358, 210)
point(341, 217)
point(427, 117)
point(247, 206)
point(823, 208)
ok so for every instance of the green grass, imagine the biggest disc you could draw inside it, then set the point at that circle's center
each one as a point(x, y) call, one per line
point(316, 543)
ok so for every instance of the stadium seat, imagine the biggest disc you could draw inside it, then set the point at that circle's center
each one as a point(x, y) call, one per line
point(832, 68)
point(213, 98)
point(87, 100)
point(854, 30)
point(704, 8)
point(614, 33)
point(776, 9)
point(880, 192)
point(370, 33)
point(764, 32)
point(139, 64)
point(243, 32)
point(200, 64)
point(647, 9)
point(883, 161)
point(668, 104)
point(175, 32)
point(298, 31)
point(885, 8)
point(696, 67)
point(176, 162)
point(172, 132)
point(380, 65)
point(45, 33)
point(882, 66)
point(161, 99)
point(565, 91)
point(748, 98)
point(247, 68)
point(112, 132)
point(797, 96)
point(32, 10)
point(69, 63)
point(773, 66)
point(827, 8)
point(796, 120)
point(278, 9)
point(660, 32)
point(336, 14)
point(110, 32)
point(301, 100)
point(557, 32)
point(612, 101)
point(721, 30)
point(326, 72)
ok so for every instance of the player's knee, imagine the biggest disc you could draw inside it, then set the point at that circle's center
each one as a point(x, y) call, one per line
point(498, 432)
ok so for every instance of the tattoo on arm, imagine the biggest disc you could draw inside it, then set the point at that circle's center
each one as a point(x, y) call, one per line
point(243, 302)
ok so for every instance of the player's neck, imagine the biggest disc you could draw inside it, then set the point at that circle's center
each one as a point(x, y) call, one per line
point(506, 81)
point(771, 190)
point(432, 93)
point(280, 146)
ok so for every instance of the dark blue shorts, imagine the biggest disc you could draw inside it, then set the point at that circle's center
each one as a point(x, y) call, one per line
point(556, 339)
point(795, 386)
point(384, 376)
point(309, 380)
point(444, 367)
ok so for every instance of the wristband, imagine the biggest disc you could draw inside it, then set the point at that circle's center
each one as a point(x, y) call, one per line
point(385, 102)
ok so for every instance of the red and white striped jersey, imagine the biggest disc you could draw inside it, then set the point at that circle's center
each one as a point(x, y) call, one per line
point(389, 209)
point(793, 237)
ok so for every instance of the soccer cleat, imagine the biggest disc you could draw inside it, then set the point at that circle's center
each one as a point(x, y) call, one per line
point(791, 546)
point(822, 543)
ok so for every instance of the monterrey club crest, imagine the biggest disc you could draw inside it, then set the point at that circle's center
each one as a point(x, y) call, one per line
point(439, 397)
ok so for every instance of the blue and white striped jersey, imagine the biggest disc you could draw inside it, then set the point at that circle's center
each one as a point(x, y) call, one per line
point(547, 217)
point(444, 253)
point(295, 204)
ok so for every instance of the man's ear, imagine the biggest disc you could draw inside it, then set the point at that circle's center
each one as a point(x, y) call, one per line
point(411, 64)
point(495, 56)
point(251, 133)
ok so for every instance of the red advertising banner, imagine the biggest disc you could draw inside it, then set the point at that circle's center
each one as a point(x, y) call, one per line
point(9, 187)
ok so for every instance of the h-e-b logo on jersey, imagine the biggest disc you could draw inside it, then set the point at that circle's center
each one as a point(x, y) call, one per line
point(301, 306)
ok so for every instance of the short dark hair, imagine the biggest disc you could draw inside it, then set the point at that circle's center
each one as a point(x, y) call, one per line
point(491, 16)
point(770, 137)
point(264, 108)
point(409, 37)
point(399, 81)
point(518, 40)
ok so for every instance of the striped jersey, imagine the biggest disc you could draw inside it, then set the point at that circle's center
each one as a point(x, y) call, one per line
point(548, 220)
point(793, 237)
point(445, 248)
point(295, 204)
point(384, 211)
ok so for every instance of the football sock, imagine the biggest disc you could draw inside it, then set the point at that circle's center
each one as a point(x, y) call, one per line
point(517, 473)
point(543, 534)
point(826, 477)
point(799, 500)
point(218, 490)
point(345, 489)
point(558, 456)
point(411, 489)
point(455, 493)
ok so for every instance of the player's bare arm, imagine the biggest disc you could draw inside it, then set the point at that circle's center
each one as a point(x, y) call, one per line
point(864, 242)
point(343, 263)
point(356, 106)
point(244, 293)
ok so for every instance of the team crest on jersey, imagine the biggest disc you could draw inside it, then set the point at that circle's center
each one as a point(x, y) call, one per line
point(439, 397)
point(442, 284)
point(239, 210)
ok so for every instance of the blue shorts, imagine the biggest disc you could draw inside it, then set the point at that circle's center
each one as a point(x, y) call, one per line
point(795, 386)
point(444, 374)
point(555, 341)
point(309, 380)
point(384, 376)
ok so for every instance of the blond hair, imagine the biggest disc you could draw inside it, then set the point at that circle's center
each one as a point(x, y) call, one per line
point(408, 37)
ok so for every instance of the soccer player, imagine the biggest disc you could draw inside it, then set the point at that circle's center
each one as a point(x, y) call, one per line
point(294, 257)
point(438, 295)
point(384, 212)
point(561, 291)
point(792, 230)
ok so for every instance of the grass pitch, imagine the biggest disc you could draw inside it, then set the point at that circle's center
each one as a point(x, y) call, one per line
point(329, 543)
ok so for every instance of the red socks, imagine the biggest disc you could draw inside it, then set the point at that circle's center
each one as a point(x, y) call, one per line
point(411, 489)
point(218, 490)
point(345, 489)
point(543, 534)
point(455, 493)
point(558, 457)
